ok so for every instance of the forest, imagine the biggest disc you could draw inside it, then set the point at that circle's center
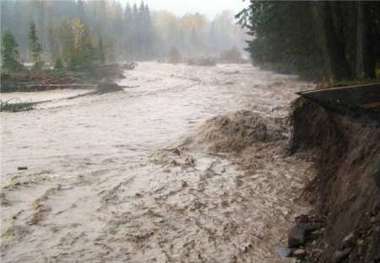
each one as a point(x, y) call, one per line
point(72, 32)
point(333, 40)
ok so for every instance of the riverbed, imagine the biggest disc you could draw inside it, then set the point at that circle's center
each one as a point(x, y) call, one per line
point(101, 183)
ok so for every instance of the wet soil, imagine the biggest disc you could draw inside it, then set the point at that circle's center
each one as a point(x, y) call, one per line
point(346, 189)
point(148, 175)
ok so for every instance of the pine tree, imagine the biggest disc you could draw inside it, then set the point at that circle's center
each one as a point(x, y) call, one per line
point(128, 27)
point(148, 31)
point(35, 48)
point(9, 53)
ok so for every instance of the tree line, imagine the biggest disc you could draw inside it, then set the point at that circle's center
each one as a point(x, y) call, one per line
point(74, 33)
point(336, 40)
point(77, 48)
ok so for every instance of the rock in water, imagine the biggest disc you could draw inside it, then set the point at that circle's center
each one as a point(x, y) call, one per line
point(284, 252)
point(296, 236)
point(299, 253)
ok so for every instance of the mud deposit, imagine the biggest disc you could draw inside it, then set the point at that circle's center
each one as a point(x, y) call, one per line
point(150, 174)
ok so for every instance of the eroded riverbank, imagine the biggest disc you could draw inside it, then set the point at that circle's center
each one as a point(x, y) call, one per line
point(123, 177)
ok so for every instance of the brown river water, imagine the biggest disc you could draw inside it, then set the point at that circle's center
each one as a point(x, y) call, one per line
point(105, 182)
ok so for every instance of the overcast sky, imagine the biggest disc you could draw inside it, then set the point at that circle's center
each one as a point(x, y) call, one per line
point(206, 7)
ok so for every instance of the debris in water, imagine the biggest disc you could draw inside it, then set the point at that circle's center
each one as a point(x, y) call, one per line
point(238, 130)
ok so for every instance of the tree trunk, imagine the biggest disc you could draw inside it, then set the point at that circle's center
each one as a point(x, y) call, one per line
point(365, 58)
point(360, 41)
point(331, 43)
point(322, 42)
point(335, 43)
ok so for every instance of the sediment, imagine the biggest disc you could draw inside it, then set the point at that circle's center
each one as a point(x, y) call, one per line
point(346, 190)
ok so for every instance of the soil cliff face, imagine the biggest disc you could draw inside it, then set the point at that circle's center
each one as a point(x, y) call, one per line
point(346, 190)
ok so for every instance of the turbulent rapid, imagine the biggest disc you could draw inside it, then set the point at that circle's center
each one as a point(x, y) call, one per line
point(187, 164)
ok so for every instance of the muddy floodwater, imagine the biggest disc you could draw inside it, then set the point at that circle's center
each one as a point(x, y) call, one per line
point(109, 180)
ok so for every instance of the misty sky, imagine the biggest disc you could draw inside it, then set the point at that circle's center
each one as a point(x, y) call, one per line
point(206, 7)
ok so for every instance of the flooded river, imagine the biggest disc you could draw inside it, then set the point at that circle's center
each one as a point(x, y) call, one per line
point(106, 182)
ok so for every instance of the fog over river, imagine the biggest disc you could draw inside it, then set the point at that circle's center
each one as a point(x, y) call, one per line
point(119, 177)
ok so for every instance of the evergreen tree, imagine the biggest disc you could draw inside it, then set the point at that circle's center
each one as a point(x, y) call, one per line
point(35, 48)
point(319, 39)
point(134, 33)
point(128, 27)
point(149, 34)
point(9, 53)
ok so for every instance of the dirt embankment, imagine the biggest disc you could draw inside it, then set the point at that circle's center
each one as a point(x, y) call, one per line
point(346, 190)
